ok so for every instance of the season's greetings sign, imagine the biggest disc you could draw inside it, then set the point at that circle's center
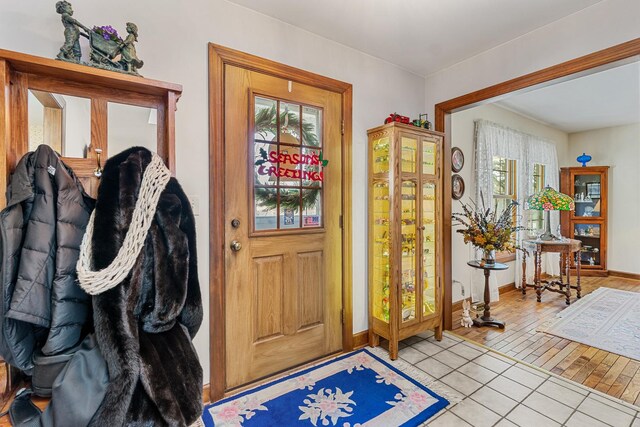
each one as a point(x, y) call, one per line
point(286, 165)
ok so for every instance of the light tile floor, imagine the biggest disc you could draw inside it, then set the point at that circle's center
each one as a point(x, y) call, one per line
point(500, 391)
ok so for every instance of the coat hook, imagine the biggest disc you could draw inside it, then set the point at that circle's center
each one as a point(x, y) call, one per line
point(98, 171)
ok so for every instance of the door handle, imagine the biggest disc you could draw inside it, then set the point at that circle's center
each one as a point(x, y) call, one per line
point(235, 246)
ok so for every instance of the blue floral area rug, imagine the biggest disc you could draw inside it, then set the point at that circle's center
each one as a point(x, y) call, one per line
point(357, 389)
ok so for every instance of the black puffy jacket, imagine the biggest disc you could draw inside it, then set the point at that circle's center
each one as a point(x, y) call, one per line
point(42, 306)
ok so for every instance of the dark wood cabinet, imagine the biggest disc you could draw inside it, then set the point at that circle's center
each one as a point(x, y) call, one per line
point(588, 222)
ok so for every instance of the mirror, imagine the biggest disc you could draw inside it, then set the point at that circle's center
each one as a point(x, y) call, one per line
point(131, 126)
point(61, 121)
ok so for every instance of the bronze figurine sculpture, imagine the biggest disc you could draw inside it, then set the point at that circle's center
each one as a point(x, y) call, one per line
point(129, 58)
point(70, 50)
point(107, 49)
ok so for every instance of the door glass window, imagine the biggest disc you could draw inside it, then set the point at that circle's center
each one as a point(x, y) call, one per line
point(288, 165)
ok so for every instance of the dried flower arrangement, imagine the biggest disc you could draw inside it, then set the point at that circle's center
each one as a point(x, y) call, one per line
point(487, 230)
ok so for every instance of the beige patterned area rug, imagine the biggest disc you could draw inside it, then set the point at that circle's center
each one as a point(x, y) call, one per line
point(608, 319)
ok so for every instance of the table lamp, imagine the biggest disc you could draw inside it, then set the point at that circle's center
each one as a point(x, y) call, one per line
point(547, 200)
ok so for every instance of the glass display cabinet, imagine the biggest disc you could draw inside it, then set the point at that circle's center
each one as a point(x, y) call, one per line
point(405, 224)
point(588, 223)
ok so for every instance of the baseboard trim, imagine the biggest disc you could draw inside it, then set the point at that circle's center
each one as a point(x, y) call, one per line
point(589, 272)
point(624, 274)
point(206, 391)
point(501, 290)
point(507, 288)
point(361, 339)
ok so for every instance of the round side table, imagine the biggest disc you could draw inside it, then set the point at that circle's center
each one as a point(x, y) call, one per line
point(486, 319)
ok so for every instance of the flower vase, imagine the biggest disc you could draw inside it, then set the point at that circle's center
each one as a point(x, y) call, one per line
point(488, 257)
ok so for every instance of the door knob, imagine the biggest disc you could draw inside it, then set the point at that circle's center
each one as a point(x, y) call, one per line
point(236, 246)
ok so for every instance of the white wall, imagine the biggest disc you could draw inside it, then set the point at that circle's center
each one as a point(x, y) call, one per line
point(173, 45)
point(605, 24)
point(619, 148)
point(462, 136)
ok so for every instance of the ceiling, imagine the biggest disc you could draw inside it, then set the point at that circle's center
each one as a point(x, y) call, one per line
point(604, 99)
point(422, 36)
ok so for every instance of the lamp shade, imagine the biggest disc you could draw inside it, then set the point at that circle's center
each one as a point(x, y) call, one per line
point(550, 200)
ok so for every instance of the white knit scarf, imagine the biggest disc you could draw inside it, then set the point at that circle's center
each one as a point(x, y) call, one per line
point(155, 179)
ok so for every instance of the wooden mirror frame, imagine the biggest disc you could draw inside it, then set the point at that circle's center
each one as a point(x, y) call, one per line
point(20, 72)
point(555, 74)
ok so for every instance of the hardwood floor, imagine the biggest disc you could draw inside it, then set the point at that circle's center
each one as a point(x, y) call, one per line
point(609, 373)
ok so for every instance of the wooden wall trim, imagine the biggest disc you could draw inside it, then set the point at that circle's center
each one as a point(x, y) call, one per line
point(544, 76)
point(247, 61)
point(206, 391)
point(443, 110)
point(216, 226)
point(361, 339)
point(84, 74)
point(624, 274)
point(219, 56)
point(5, 124)
point(347, 202)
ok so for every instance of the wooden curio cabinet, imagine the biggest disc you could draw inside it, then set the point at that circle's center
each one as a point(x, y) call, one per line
point(405, 233)
point(588, 222)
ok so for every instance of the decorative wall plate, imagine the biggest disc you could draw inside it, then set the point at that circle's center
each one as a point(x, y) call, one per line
point(457, 159)
point(457, 186)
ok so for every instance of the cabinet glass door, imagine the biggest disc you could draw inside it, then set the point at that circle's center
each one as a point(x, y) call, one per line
point(408, 271)
point(428, 157)
point(586, 193)
point(381, 157)
point(589, 235)
point(409, 154)
point(429, 248)
point(381, 240)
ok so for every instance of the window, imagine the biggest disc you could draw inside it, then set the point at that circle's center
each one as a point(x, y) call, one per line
point(504, 191)
point(535, 222)
point(288, 165)
point(504, 182)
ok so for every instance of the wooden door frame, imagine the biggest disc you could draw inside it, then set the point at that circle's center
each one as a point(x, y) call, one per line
point(219, 56)
point(547, 76)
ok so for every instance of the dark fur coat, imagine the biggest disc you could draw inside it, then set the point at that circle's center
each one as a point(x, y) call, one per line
point(144, 326)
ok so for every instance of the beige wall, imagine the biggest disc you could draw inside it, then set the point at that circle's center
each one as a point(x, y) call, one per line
point(619, 148)
point(462, 136)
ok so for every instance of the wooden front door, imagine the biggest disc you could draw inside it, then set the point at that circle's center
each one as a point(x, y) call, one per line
point(283, 208)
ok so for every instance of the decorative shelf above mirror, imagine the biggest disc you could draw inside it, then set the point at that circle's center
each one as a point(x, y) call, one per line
point(85, 114)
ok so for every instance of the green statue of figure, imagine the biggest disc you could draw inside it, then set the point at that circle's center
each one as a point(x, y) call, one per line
point(70, 50)
point(129, 58)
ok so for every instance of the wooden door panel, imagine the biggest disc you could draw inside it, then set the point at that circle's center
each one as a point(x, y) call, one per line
point(268, 280)
point(283, 287)
point(310, 295)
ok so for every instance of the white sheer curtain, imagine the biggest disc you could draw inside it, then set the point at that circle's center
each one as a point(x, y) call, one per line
point(542, 151)
point(495, 140)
